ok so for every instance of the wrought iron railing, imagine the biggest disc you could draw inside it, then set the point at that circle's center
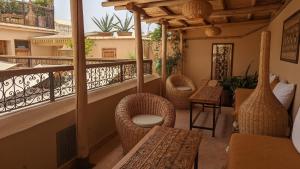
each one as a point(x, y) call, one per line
point(25, 87)
point(24, 13)
point(32, 61)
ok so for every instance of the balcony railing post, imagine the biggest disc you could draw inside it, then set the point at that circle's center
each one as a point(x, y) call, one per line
point(122, 72)
point(29, 63)
point(151, 68)
point(24, 14)
point(51, 86)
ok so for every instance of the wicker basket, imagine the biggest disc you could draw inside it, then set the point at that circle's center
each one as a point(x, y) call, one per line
point(262, 113)
point(179, 98)
point(197, 9)
point(212, 31)
point(141, 103)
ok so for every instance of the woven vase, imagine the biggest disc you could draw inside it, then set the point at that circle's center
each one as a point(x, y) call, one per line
point(262, 113)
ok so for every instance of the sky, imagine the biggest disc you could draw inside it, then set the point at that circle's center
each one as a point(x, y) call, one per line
point(91, 8)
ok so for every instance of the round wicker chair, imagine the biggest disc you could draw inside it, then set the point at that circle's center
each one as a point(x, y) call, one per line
point(174, 92)
point(136, 104)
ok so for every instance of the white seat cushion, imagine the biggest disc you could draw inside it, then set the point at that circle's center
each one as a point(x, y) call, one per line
point(147, 120)
point(184, 88)
point(212, 83)
point(284, 92)
point(296, 132)
point(272, 77)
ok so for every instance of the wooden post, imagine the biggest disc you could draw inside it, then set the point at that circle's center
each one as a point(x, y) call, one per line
point(80, 79)
point(181, 48)
point(164, 57)
point(139, 51)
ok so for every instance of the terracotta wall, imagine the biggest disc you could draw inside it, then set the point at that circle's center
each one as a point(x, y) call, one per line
point(286, 71)
point(10, 35)
point(125, 48)
point(198, 55)
point(35, 147)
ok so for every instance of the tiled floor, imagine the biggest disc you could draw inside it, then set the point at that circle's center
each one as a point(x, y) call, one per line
point(212, 150)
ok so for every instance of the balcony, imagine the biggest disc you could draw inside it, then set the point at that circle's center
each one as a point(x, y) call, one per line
point(49, 120)
point(28, 14)
point(25, 87)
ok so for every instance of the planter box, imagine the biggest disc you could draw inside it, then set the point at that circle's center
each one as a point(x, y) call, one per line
point(124, 33)
point(227, 98)
point(105, 34)
point(42, 21)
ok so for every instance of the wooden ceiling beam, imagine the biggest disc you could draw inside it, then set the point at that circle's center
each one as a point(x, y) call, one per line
point(133, 7)
point(125, 2)
point(223, 13)
point(224, 7)
point(153, 4)
point(253, 3)
point(167, 11)
point(253, 22)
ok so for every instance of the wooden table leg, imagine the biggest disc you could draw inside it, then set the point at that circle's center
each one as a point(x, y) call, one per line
point(214, 121)
point(196, 161)
point(191, 116)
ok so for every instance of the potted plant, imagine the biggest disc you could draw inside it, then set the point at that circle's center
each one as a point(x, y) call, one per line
point(124, 28)
point(230, 84)
point(105, 24)
point(40, 10)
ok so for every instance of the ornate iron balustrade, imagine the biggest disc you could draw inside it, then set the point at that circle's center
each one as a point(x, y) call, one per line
point(25, 87)
point(24, 13)
point(32, 61)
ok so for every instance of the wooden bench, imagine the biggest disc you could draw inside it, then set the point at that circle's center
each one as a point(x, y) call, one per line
point(162, 148)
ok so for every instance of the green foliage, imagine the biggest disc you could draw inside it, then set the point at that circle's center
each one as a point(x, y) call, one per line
point(246, 81)
point(131, 55)
point(172, 62)
point(89, 43)
point(8, 6)
point(43, 3)
point(105, 24)
point(155, 35)
point(124, 27)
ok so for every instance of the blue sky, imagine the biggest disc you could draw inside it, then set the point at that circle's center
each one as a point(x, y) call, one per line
point(91, 8)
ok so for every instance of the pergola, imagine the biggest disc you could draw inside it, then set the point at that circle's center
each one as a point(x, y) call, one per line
point(168, 13)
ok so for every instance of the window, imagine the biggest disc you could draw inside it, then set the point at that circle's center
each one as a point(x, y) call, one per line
point(3, 47)
point(22, 47)
point(109, 53)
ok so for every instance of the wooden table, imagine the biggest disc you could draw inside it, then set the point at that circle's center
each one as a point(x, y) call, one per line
point(208, 97)
point(164, 148)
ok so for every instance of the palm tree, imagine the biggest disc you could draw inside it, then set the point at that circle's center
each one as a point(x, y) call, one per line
point(105, 24)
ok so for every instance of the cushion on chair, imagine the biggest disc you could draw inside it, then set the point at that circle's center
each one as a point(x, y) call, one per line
point(147, 120)
point(184, 88)
point(284, 92)
point(273, 77)
point(296, 132)
point(212, 83)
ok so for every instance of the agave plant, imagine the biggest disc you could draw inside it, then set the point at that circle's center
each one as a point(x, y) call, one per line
point(126, 26)
point(105, 24)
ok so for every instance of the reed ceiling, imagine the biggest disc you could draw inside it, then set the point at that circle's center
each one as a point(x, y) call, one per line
point(225, 12)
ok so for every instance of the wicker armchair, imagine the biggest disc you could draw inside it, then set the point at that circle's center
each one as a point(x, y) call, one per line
point(141, 103)
point(176, 92)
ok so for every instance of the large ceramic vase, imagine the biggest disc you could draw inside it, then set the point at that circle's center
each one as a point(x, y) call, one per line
point(262, 113)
